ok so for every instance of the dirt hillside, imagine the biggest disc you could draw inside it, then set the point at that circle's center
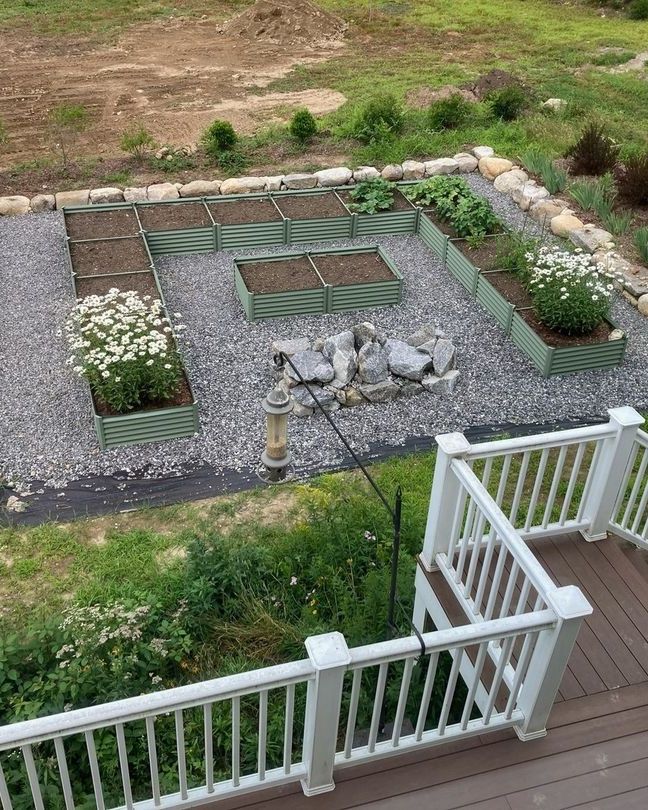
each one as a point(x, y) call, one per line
point(287, 23)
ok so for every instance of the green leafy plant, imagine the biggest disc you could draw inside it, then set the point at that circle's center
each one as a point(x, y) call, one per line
point(137, 142)
point(474, 217)
point(232, 161)
point(641, 243)
point(632, 179)
point(380, 117)
point(219, 137)
point(617, 222)
point(443, 192)
point(175, 161)
point(515, 253)
point(554, 178)
point(570, 294)
point(638, 10)
point(535, 160)
point(448, 113)
point(123, 345)
point(594, 152)
point(594, 195)
point(508, 103)
point(371, 196)
point(67, 122)
point(303, 125)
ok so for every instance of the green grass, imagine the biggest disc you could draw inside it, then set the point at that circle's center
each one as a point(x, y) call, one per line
point(611, 58)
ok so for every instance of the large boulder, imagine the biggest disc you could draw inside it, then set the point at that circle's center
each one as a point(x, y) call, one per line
point(98, 196)
point(372, 363)
point(312, 366)
point(42, 202)
point(383, 391)
point(243, 185)
point(528, 194)
point(483, 152)
point(443, 356)
point(16, 204)
point(564, 224)
point(162, 191)
point(642, 305)
point(413, 170)
point(590, 238)
point(135, 194)
point(79, 197)
point(492, 167)
point(543, 211)
point(424, 333)
point(300, 180)
point(392, 172)
point(339, 176)
point(405, 361)
point(507, 181)
point(339, 350)
point(200, 188)
point(466, 162)
point(364, 332)
point(363, 173)
point(274, 183)
point(291, 347)
point(554, 104)
point(301, 395)
point(441, 166)
point(441, 385)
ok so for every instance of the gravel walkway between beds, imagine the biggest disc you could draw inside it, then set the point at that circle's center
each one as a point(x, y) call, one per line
point(46, 429)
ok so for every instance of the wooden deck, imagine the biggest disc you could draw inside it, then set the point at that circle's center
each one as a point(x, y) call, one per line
point(596, 752)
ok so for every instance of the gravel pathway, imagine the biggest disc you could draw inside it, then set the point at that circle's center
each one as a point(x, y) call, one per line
point(46, 430)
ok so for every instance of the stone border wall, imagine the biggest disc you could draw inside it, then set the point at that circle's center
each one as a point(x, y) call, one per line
point(552, 212)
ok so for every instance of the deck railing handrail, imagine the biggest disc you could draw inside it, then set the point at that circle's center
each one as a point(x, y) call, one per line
point(538, 441)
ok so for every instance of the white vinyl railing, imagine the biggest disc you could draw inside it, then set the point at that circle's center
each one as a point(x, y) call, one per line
point(630, 514)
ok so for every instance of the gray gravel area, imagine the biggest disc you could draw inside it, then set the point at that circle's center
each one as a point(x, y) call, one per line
point(46, 430)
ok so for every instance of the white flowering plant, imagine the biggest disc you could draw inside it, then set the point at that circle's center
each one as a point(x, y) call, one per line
point(571, 293)
point(123, 344)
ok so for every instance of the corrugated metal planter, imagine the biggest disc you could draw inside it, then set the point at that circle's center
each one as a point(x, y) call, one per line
point(435, 239)
point(175, 241)
point(552, 360)
point(248, 234)
point(493, 301)
point(299, 231)
point(325, 299)
point(461, 267)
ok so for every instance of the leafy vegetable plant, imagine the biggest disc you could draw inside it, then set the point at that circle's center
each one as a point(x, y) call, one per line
point(373, 195)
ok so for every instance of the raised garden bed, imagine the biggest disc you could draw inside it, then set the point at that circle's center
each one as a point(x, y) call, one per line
point(316, 283)
point(105, 222)
point(142, 283)
point(247, 221)
point(401, 218)
point(110, 256)
point(177, 227)
point(314, 215)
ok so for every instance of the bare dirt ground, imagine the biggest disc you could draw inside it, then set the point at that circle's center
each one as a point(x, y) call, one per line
point(173, 76)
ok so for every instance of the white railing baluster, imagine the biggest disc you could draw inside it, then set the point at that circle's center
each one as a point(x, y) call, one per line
point(61, 761)
point(535, 493)
point(263, 733)
point(505, 654)
point(524, 595)
point(402, 701)
point(520, 671)
point(623, 490)
point(288, 728)
point(643, 464)
point(209, 747)
point(32, 775)
point(457, 526)
point(472, 691)
point(427, 695)
point(236, 741)
point(353, 712)
point(450, 690)
point(503, 479)
point(573, 479)
point(123, 766)
point(588, 480)
point(377, 706)
point(519, 487)
point(555, 482)
point(153, 760)
point(5, 799)
point(495, 582)
point(483, 576)
point(640, 511)
point(510, 587)
point(180, 749)
point(94, 770)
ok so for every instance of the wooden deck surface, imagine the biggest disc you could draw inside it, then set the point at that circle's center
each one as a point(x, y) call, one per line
point(596, 752)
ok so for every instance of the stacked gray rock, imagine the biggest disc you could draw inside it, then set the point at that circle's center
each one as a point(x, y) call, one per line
point(361, 366)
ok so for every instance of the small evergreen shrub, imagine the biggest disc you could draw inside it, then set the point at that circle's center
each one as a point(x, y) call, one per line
point(641, 242)
point(218, 137)
point(371, 196)
point(303, 125)
point(594, 152)
point(632, 180)
point(137, 142)
point(508, 103)
point(449, 113)
point(638, 10)
point(380, 117)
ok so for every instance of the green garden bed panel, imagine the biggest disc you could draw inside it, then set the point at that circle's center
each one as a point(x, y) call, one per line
point(366, 296)
point(435, 239)
point(562, 359)
point(159, 425)
point(259, 306)
point(260, 234)
point(461, 267)
point(493, 301)
point(187, 240)
point(319, 230)
point(388, 223)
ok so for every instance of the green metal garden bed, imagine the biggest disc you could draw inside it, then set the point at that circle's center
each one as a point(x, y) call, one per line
point(323, 299)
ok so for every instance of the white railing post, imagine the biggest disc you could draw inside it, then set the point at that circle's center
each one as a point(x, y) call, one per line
point(330, 657)
point(549, 660)
point(446, 491)
point(607, 478)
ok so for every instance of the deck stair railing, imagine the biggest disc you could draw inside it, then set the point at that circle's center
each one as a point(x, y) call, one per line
point(341, 706)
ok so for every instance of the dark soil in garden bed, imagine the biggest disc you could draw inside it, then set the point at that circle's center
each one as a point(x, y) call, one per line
point(181, 397)
point(242, 212)
point(173, 216)
point(401, 203)
point(142, 283)
point(283, 275)
point(311, 206)
point(352, 268)
point(483, 256)
point(444, 227)
point(509, 286)
point(102, 224)
point(109, 256)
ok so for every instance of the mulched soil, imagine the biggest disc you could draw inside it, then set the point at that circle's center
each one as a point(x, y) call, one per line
point(102, 224)
point(109, 256)
point(484, 256)
point(401, 203)
point(280, 276)
point(181, 397)
point(241, 212)
point(143, 283)
point(173, 216)
point(352, 268)
point(311, 206)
